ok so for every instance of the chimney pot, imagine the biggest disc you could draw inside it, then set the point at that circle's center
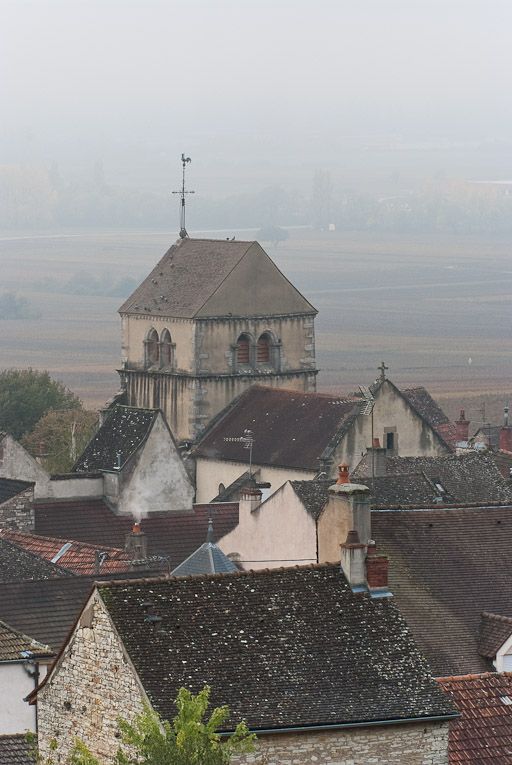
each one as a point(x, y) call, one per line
point(343, 474)
point(376, 443)
point(462, 427)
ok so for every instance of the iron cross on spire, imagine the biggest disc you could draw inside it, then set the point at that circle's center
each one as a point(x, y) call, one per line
point(182, 192)
point(382, 369)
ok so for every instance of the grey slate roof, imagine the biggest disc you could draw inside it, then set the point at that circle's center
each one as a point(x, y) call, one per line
point(313, 494)
point(122, 433)
point(13, 642)
point(15, 749)
point(207, 559)
point(283, 648)
point(447, 566)
point(10, 487)
point(494, 630)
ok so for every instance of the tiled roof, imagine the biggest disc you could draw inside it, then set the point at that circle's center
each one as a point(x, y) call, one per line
point(284, 648)
point(494, 631)
point(462, 479)
point(15, 749)
point(187, 275)
point(9, 487)
point(313, 494)
point(446, 567)
point(13, 642)
point(482, 735)
point(122, 433)
point(291, 429)
point(18, 565)
point(172, 535)
point(46, 609)
point(77, 557)
point(207, 559)
point(421, 400)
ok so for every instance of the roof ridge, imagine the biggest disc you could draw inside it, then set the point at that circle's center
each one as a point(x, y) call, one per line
point(21, 634)
point(497, 617)
point(246, 573)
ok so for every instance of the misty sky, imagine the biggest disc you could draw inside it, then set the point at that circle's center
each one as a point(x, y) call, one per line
point(256, 92)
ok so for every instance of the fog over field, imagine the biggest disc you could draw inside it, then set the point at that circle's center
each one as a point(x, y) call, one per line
point(387, 122)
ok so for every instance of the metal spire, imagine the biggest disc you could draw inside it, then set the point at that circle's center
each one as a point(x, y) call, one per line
point(209, 534)
point(182, 192)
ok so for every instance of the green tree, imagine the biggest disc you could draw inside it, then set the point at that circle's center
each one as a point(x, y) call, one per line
point(26, 395)
point(60, 437)
point(191, 738)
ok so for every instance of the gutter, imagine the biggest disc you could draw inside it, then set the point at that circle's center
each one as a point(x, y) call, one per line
point(337, 726)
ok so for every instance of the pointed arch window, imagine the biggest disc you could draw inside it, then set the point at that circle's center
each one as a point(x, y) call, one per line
point(243, 349)
point(152, 349)
point(263, 349)
point(166, 349)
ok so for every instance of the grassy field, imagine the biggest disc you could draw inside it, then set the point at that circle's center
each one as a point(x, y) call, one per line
point(437, 309)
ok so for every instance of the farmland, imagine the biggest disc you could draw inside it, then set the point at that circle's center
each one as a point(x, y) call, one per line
point(437, 309)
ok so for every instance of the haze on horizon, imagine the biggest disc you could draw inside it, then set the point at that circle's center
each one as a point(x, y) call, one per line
point(258, 93)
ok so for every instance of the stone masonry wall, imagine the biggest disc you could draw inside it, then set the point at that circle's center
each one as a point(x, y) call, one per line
point(406, 744)
point(93, 686)
point(18, 512)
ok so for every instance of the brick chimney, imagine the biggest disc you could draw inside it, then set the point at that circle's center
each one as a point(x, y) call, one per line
point(364, 569)
point(462, 427)
point(136, 544)
point(250, 499)
point(377, 568)
point(505, 443)
point(376, 459)
point(347, 509)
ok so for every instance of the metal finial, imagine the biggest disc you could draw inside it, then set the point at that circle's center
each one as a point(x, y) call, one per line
point(382, 369)
point(182, 192)
point(209, 533)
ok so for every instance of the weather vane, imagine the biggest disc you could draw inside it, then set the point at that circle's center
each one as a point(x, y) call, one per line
point(182, 192)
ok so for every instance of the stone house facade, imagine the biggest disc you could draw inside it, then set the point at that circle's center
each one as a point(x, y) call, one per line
point(102, 675)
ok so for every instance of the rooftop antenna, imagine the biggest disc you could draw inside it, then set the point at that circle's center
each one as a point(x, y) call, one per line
point(182, 192)
point(247, 440)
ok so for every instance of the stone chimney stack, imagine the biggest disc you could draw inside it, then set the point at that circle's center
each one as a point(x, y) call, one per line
point(505, 443)
point(462, 427)
point(250, 499)
point(347, 509)
point(136, 544)
point(377, 459)
point(353, 555)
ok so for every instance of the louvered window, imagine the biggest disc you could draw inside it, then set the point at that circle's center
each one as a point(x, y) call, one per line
point(263, 350)
point(242, 350)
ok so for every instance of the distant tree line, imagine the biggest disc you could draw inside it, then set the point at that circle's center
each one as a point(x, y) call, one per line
point(38, 197)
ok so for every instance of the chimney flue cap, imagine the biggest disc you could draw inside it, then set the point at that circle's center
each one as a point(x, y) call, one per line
point(343, 474)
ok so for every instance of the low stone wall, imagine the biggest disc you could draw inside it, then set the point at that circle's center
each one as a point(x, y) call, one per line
point(406, 744)
point(18, 512)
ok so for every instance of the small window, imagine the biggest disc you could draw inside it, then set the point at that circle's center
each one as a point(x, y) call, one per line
point(390, 441)
point(166, 349)
point(243, 350)
point(152, 348)
point(263, 349)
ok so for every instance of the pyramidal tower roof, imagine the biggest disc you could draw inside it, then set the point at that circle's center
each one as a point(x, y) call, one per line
point(215, 277)
point(207, 559)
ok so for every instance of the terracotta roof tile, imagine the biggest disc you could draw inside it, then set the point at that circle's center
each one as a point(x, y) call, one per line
point(291, 429)
point(482, 735)
point(13, 642)
point(18, 565)
point(286, 647)
point(77, 557)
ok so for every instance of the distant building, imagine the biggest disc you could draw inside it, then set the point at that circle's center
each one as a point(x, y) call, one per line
point(211, 319)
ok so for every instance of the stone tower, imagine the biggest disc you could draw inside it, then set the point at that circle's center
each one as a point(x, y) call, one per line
point(211, 319)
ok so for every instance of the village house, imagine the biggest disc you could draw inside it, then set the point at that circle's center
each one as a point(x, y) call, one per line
point(211, 319)
point(297, 436)
point(254, 638)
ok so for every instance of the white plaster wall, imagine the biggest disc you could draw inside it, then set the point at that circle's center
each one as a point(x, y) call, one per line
point(280, 532)
point(17, 463)
point(16, 716)
point(74, 486)
point(159, 480)
point(211, 473)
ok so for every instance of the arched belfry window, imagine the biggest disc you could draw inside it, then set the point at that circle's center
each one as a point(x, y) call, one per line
point(243, 349)
point(152, 349)
point(263, 349)
point(166, 349)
